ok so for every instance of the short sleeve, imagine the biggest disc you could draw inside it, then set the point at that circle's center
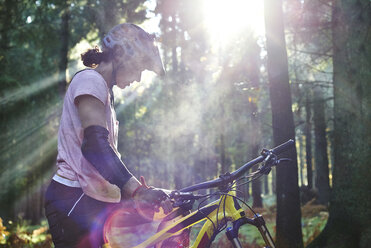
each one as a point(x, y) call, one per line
point(91, 83)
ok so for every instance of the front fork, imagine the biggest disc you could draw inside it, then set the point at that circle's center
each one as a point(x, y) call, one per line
point(258, 221)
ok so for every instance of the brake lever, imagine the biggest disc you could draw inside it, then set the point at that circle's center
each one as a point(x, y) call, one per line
point(184, 199)
point(269, 161)
point(267, 167)
point(184, 195)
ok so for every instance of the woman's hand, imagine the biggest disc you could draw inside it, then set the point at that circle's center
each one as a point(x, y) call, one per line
point(152, 198)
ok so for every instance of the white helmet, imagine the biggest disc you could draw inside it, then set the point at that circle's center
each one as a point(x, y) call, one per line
point(137, 44)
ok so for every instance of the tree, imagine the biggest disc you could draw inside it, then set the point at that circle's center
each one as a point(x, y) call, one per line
point(253, 73)
point(321, 158)
point(288, 201)
point(308, 141)
point(349, 223)
point(63, 61)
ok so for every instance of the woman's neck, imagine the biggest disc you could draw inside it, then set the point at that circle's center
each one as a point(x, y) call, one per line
point(106, 69)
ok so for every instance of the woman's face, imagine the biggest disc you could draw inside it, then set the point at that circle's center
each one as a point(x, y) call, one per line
point(127, 73)
point(127, 69)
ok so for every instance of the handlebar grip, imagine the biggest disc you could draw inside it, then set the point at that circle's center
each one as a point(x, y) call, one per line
point(283, 147)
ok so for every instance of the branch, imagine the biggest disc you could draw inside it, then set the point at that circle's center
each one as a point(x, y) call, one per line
point(308, 52)
point(315, 83)
point(314, 68)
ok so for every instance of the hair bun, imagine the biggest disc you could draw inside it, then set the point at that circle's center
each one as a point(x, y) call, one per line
point(92, 57)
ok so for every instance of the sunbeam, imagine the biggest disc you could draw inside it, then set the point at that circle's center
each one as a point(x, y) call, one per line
point(29, 90)
point(24, 165)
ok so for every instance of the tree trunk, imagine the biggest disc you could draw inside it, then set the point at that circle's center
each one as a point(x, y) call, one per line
point(274, 183)
point(253, 72)
point(321, 159)
point(349, 223)
point(308, 143)
point(64, 49)
point(6, 24)
point(137, 149)
point(174, 53)
point(256, 185)
point(256, 192)
point(223, 162)
point(301, 157)
point(266, 186)
point(288, 220)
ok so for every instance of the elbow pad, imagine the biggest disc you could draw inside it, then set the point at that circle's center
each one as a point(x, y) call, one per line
point(98, 151)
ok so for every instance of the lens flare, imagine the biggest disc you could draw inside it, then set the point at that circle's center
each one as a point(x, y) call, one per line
point(124, 227)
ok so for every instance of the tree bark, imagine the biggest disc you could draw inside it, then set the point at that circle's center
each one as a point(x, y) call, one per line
point(256, 185)
point(349, 223)
point(301, 157)
point(174, 54)
point(308, 143)
point(136, 142)
point(252, 68)
point(321, 159)
point(223, 162)
point(266, 185)
point(288, 220)
point(6, 19)
point(64, 48)
point(256, 193)
point(274, 183)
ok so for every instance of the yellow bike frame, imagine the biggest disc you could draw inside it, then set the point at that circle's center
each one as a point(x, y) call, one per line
point(224, 209)
point(215, 211)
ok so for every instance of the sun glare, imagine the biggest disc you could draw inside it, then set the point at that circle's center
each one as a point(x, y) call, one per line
point(227, 18)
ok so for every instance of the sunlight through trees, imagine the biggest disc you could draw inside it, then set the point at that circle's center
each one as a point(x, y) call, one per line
point(236, 81)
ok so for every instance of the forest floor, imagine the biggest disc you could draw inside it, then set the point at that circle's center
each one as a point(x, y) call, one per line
point(314, 218)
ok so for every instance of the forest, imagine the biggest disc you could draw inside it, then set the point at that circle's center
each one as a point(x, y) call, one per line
point(241, 75)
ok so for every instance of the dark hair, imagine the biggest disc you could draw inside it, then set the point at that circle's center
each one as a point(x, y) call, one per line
point(94, 57)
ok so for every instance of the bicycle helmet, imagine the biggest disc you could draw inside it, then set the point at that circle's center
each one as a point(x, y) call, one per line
point(138, 45)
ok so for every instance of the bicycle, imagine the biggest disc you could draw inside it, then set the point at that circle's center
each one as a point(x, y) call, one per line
point(223, 214)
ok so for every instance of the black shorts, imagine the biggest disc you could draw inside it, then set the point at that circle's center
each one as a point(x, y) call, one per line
point(75, 219)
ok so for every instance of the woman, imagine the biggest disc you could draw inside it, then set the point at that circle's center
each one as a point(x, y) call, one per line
point(91, 179)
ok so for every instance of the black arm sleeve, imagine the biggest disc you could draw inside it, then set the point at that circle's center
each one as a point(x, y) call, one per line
point(98, 151)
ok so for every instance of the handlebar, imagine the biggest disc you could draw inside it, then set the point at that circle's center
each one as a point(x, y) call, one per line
point(229, 177)
point(283, 147)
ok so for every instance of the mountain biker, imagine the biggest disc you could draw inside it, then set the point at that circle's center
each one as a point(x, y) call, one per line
point(91, 178)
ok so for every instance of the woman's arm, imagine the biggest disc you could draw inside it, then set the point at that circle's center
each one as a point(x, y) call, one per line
point(92, 114)
point(91, 111)
point(97, 150)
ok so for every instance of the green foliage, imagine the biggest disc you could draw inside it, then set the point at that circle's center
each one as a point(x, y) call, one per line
point(21, 234)
point(313, 226)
